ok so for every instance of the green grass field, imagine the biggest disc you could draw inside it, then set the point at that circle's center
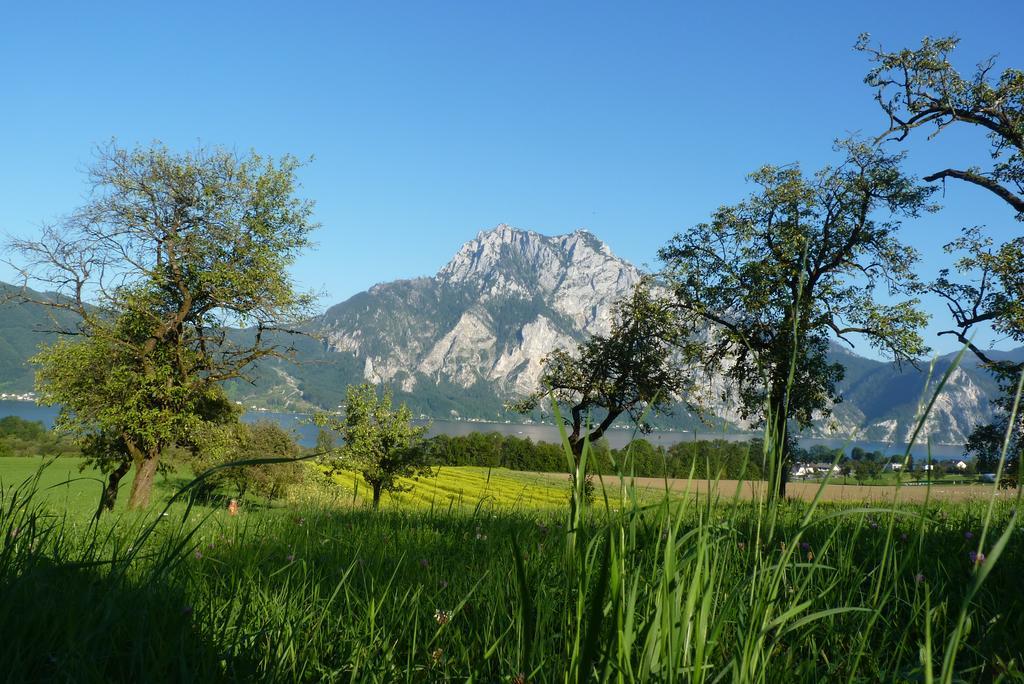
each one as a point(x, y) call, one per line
point(486, 576)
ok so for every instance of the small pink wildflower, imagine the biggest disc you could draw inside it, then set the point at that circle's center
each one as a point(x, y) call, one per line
point(918, 578)
point(198, 554)
point(290, 558)
point(976, 558)
point(424, 563)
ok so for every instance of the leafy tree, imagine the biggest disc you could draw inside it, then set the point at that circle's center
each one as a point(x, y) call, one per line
point(235, 441)
point(169, 253)
point(380, 442)
point(921, 87)
point(767, 282)
point(14, 426)
point(629, 371)
point(864, 470)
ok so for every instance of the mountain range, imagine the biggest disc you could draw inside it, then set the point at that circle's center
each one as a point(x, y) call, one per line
point(461, 343)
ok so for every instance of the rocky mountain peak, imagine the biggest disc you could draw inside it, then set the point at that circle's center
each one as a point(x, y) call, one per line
point(510, 259)
point(505, 300)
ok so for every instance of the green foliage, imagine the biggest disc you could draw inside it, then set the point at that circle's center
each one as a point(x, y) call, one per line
point(221, 444)
point(866, 469)
point(762, 287)
point(19, 428)
point(921, 87)
point(380, 442)
point(629, 371)
point(175, 249)
point(20, 437)
point(640, 458)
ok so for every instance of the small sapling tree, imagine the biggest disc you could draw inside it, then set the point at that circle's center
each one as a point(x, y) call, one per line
point(379, 441)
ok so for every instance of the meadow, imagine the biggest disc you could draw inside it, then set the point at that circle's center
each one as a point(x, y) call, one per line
point(489, 575)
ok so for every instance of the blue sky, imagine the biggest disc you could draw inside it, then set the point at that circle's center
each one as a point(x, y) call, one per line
point(431, 121)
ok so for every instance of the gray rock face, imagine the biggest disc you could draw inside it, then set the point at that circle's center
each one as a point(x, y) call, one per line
point(475, 334)
point(576, 274)
point(885, 404)
point(504, 301)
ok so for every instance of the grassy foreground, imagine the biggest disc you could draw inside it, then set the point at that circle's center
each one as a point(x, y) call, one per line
point(510, 587)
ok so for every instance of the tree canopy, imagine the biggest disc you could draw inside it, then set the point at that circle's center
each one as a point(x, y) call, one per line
point(169, 253)
point(380, 441)
point(236, 441)
point(921, 87)
point(768, 282)
point(632, 370)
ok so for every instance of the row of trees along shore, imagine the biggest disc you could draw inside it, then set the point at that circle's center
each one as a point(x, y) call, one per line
point(173, 253)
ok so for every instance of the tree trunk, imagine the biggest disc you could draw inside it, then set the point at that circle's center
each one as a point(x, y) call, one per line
point(109, 495)
point(780, 438)
point(784, 475)
point(576, 446)
point(376, 495)
point(145, 474)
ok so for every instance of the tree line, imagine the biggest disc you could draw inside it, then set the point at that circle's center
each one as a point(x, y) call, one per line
point(704, 458)
point(20, 437)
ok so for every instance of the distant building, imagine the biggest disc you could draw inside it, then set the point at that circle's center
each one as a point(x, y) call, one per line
point(960, 465)
point(814, 470)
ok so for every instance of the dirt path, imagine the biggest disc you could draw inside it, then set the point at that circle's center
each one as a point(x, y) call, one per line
point(808, 490)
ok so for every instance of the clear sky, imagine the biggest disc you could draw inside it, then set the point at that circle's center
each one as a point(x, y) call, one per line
point(431, 121)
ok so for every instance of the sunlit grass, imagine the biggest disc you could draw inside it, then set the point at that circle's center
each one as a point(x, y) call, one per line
point(490, 575)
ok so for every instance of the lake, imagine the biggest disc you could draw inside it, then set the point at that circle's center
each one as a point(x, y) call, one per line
point(617, 438)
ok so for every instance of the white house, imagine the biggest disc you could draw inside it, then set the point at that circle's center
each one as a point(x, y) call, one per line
point(894, 467)
point(802, 471)
point(815, 469)
point(960, 465)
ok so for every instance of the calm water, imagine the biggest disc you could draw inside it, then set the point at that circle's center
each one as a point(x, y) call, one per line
point(538, 433)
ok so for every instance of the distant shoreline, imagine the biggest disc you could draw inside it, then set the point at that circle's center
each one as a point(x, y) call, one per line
point(617, 437)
